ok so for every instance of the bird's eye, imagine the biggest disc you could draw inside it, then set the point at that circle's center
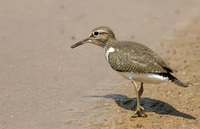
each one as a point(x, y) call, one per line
point(96, 33)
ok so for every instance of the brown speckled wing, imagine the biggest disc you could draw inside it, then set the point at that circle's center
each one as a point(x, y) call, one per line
point(136, 58)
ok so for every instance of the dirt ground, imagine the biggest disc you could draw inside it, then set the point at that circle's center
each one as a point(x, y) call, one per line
point(44, 84)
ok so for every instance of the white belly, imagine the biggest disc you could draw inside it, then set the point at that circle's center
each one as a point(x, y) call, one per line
point(145, 77)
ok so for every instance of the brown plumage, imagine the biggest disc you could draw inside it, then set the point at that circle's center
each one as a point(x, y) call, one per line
point(132, 60)
point(137, 58)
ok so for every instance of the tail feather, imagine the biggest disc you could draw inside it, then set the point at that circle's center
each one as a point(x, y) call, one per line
point(178, 82)
point(175, 80)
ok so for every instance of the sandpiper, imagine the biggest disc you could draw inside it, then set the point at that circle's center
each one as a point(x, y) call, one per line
point(133, 61)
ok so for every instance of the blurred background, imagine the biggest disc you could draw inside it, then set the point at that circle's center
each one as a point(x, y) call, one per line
point(44, 83)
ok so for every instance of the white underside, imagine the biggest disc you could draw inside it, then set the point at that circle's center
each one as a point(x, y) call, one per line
point(145, 77)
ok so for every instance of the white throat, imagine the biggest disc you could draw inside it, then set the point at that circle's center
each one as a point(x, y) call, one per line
point(111, 49)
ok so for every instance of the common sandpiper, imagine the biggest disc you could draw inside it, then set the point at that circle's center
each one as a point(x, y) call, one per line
point(133, 61)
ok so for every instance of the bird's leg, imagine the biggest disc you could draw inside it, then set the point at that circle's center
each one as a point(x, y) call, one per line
point(139, 110)
point(140, 94)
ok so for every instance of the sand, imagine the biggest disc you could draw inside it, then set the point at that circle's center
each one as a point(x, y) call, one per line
point(44, 84)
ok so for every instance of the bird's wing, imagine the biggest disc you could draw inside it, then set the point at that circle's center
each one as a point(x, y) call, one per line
point(137, 60)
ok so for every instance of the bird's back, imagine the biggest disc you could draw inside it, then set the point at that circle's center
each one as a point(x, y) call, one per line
point(134, 57)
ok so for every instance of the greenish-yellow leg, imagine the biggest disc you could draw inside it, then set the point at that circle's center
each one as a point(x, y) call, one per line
point(139, 110)
point(140, 94)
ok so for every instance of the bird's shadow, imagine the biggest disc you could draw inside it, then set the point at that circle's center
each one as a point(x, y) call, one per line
point(150, 105)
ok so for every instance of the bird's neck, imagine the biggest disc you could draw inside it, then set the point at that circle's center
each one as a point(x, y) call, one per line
point(109, 43)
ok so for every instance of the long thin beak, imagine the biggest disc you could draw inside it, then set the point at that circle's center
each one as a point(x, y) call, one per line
point(80, 43)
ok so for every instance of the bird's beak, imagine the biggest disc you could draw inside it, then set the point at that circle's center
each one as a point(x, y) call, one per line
point(87, 40)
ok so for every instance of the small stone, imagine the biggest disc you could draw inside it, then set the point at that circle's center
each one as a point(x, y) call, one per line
point(121, 122)
point(68, 121)
point(73, 38)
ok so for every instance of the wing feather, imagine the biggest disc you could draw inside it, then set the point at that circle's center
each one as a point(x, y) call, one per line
point(136, 58)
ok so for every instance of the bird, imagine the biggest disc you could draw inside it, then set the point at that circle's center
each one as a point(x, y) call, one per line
point(132, 60)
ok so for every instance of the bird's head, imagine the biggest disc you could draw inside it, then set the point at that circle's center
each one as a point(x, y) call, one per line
point(99, 37)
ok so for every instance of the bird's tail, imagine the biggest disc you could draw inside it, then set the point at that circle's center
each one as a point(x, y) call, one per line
point(176, 81)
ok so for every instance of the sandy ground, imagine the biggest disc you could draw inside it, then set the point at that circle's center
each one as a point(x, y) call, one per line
point(44, 84)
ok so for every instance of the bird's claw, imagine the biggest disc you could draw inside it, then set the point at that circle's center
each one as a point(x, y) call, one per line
point(140, 112)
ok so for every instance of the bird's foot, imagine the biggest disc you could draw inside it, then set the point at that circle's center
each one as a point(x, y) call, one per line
point(139, 112)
